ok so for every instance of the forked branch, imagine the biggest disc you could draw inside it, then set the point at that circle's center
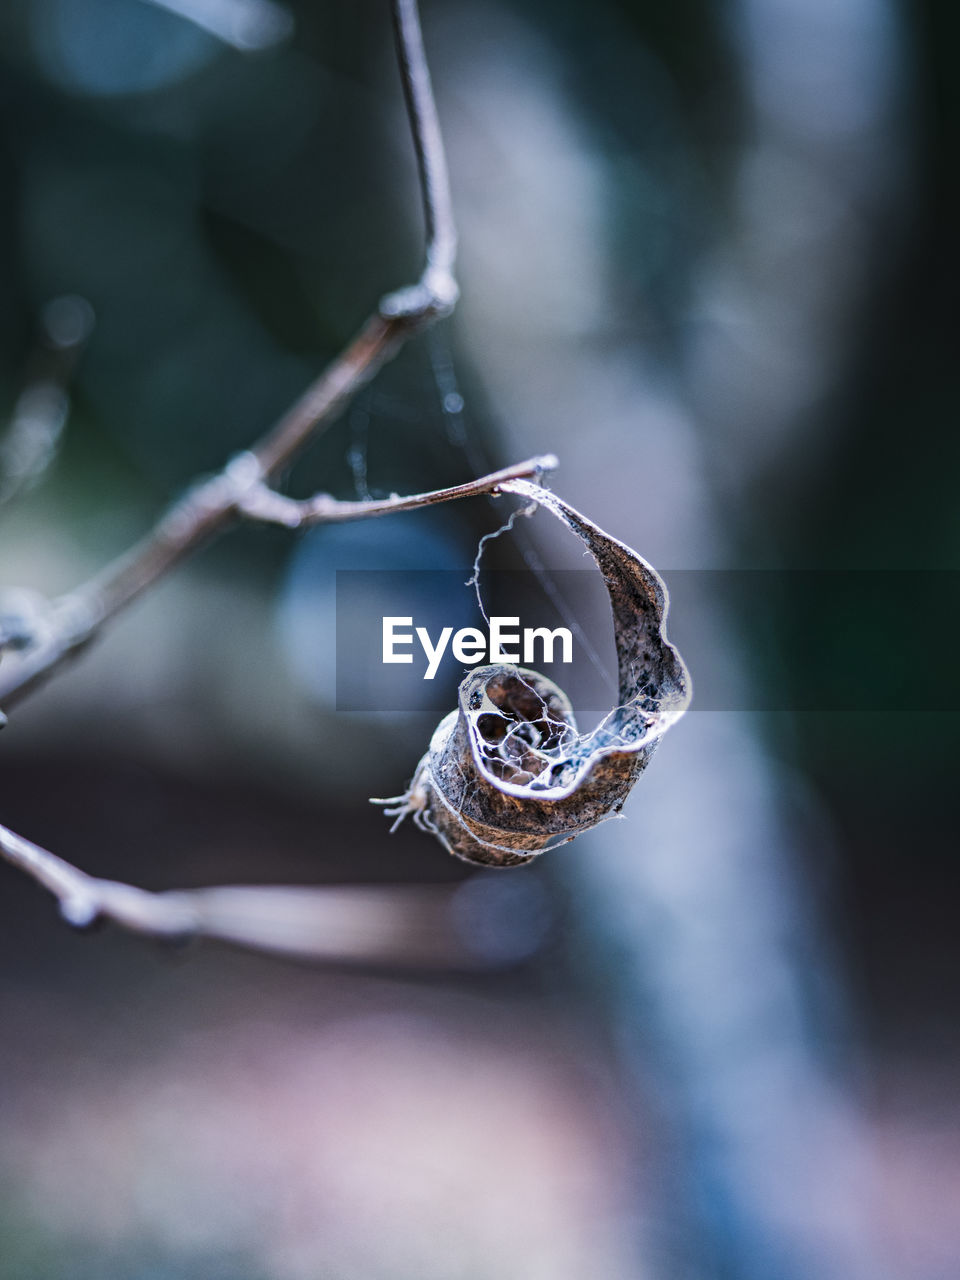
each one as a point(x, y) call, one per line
point(212, 505)
point(263, 504)
point(413, 925)
point(339, 923)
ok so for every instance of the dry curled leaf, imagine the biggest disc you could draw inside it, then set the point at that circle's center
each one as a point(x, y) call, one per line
point(507, 774)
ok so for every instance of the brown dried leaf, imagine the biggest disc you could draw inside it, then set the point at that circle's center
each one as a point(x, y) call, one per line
point(507, 775)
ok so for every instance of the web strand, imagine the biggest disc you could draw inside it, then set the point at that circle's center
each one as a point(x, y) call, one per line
point(458, 433)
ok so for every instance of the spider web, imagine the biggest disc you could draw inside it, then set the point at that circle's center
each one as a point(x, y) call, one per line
point(456, 426)
point(459, 434)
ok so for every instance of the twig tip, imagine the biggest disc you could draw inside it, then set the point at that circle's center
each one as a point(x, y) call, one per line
point(79, 910)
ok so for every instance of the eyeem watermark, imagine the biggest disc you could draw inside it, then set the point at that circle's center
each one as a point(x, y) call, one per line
point(505, 642)
point(766, 640)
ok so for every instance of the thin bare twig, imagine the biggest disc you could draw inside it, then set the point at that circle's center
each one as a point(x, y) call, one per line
point(264, 504)
point(210, 506)
point(407, 925)
point(438, 281)
point(411, 925)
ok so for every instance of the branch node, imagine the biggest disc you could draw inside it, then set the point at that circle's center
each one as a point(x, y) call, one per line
point(243, 471)
point(80, 910)
point(433, 296)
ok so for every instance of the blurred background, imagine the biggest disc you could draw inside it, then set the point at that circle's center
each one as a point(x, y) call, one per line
point(705, 258)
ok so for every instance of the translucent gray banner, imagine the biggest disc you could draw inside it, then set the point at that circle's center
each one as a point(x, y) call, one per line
point(804, 640)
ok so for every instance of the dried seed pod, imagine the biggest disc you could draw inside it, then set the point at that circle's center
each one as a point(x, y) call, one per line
point(507, 774)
